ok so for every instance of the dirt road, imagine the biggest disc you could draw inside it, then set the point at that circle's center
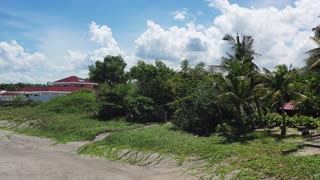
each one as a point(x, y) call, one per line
point(24, 157)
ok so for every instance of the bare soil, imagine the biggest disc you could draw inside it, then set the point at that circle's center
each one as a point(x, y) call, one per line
point(25, 157)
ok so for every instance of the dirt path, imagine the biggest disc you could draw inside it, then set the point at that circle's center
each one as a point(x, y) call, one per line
point(25, 157)
point(312, 147)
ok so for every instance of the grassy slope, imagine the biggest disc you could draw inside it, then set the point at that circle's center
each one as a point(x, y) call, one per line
point(61, 127)
point(257, 155)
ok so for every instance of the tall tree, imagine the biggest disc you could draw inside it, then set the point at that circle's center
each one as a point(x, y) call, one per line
point(239, 82)
point(239, 94)
point(185, 82)
point(109, 71)
point(277, 86)
point(240, 60)
point(152, 81)
point(313, 60)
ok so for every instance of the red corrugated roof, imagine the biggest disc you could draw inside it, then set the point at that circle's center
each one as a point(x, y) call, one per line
point(54, 88)
point(74, 79)
point(289, 106)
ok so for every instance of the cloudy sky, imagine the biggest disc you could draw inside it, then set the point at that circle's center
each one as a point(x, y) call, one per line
point(45, 40)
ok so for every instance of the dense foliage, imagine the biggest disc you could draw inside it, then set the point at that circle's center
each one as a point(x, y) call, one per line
point(141, 109)
point(77, 102)
point(196, 99)
point(152, 81)
point(198, 112)
point(275, 119)
point(112, 100)
point(110, 70)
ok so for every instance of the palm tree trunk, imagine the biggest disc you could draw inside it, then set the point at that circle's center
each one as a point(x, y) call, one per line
point(241, 113)
point(283, 127)
point(220, 115)
point(261, 122)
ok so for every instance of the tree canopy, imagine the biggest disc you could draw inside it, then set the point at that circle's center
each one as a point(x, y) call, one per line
point(110, 71)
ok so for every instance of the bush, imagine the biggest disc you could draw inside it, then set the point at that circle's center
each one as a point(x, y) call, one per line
point(112, 101)
point(273, 119)
point(111, 105)
point(141, 109)
point(77, 102)
point(197, 113)
point(309, 122)
point(276, 119)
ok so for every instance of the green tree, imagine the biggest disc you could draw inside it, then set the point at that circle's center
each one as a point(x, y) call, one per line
point(313, 60)
point(152, 82)
point(109, 71)
point(240, 60)
point(277, 86)
point(237, 87)
point(306, 82)
point(198, 112)
point(184, 82)
point(240, 95)
point(113, 101)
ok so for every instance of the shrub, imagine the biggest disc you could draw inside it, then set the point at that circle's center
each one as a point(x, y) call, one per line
point(309, 122)
point(112, 101)
point(141, 109)
point(197, 113)
point(273, 119)
point(77, 102)
point(276, 119)
point(111, 105)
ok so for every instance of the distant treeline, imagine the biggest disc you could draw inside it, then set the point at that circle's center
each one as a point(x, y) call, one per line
point(14, 87)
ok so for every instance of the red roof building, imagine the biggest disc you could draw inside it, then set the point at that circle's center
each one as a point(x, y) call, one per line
point(290, 106)
point(54, 89)
point(74, 81)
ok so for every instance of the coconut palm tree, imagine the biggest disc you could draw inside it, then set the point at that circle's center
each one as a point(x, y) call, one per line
point(240, 81)
point(314, 54)
point(276, 85)
point(240, 60)
point(238, 93)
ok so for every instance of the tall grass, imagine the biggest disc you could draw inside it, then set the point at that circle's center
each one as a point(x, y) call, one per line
point(66, 118)
point(78, 102)
point(257, 155)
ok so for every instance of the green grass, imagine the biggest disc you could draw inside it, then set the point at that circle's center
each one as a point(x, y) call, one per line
point(61, 127)
point(256, 155)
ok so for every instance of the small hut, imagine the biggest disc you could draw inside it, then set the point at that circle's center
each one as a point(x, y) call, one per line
point(290, 108)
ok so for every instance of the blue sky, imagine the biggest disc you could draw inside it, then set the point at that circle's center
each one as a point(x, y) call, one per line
point(127, 18)
point(49, 39)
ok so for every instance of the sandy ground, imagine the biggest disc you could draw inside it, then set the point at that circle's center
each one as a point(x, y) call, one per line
point(25, 157)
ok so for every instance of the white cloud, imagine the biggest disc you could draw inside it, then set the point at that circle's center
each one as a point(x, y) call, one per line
point(13, 57)
point(281, 35)
point(103, 36)
point(77, 60)
point(18, 65)
point(178, 43)
point(56, 61)
point(180, 15)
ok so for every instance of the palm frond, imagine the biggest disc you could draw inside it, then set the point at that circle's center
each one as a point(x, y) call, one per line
point(316, 64)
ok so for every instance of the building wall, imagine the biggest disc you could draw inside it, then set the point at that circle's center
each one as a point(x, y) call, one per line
point(44, 97)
